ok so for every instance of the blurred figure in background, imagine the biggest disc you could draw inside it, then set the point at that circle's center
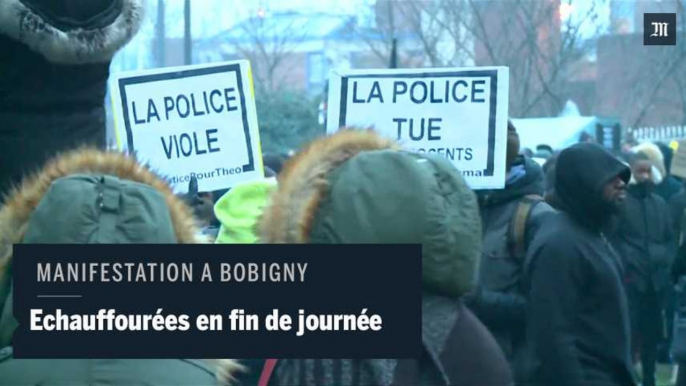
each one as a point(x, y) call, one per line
point(543, 151)
point(527, 152)
point(510, 217)
point(668, 189)
point(549, 172)
point(62, 205)
point(357, 187)
point(274, 162)
point(660, 157)
point(53, 74)
point(644, 239)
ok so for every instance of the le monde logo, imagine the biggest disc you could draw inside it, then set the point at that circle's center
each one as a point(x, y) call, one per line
point(659, 29)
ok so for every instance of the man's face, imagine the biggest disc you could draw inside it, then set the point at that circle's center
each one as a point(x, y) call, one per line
point(614, 192)
point(642, 171)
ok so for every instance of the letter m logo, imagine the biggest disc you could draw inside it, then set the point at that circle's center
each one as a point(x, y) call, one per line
point(659, 29)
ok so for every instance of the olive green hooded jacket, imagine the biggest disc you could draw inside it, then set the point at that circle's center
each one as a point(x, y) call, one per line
point(89, 196)
point(355, 187)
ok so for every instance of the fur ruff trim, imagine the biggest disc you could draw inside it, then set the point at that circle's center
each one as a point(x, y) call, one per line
point(653, 152)
point(21, 202)
point(303, 183)
point(78, 46)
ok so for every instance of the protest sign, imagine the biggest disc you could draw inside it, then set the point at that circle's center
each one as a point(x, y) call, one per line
point(458, 113)
point(190, 121)
point(679, 161)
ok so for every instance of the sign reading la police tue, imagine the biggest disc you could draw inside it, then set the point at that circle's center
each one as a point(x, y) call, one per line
point(189, 121)
point(458, 113)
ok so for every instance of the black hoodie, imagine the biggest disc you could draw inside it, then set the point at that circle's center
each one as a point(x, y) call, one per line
point(577, 315)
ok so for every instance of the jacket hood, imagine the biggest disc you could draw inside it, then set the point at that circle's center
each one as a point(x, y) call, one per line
point(582, 171)
point(531, 183)
point(239, 210)
point(27, 206)
point(654, 154)
point(357, 187)
point(87, 43)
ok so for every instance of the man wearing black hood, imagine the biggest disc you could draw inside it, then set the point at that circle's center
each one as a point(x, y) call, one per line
point(644, 239)
point(511, 217)
point(577, 314)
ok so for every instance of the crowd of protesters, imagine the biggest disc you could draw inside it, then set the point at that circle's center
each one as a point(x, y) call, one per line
point(571, 275)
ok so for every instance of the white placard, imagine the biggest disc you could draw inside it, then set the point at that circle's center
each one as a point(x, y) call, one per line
point(197, 120)
point(459, 113)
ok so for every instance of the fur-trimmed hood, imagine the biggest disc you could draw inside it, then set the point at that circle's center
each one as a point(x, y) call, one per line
point(75, 45)
point(356, 187)
point(23, 200)
point(654, 154)
point(304, 181)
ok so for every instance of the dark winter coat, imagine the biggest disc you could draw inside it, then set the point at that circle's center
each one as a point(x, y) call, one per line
point(677, 208)
point(577, 317)
point(669, 187)
point(60, 205)
point(644, 239)
point(53, 75)
point(355, 187)
point(499, 301)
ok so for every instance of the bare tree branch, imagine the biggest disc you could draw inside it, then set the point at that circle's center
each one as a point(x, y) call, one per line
point(268, 45)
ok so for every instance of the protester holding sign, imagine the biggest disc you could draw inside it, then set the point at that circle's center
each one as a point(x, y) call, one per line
point(356, 187)
point(87, 197)
point(55, 64)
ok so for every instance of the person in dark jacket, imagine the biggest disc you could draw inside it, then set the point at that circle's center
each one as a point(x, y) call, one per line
point(498, 300)
point(666, 186)
point(54, 68)
point(644, 239)
point(679, 277)
point(669, 186)
point(356, 187)
point(578, 316)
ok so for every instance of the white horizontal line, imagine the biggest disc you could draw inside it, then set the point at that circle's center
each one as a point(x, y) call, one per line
point(60, 296)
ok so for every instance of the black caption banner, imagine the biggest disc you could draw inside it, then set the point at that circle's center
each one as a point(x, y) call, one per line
point(217, 301)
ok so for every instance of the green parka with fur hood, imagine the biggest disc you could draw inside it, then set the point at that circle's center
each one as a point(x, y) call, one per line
point(90, 196)
point(356, 187)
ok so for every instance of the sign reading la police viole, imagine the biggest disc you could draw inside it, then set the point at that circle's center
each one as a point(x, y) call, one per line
point(191, 121)
point(458, 113)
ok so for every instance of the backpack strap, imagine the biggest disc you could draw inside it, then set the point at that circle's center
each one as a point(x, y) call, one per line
point(516, 234)
point(267, 371)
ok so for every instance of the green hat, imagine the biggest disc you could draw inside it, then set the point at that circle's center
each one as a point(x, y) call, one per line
point(239, 210)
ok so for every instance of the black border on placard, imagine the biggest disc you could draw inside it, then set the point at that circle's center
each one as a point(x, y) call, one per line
point(250, 166)
point(492, 74)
